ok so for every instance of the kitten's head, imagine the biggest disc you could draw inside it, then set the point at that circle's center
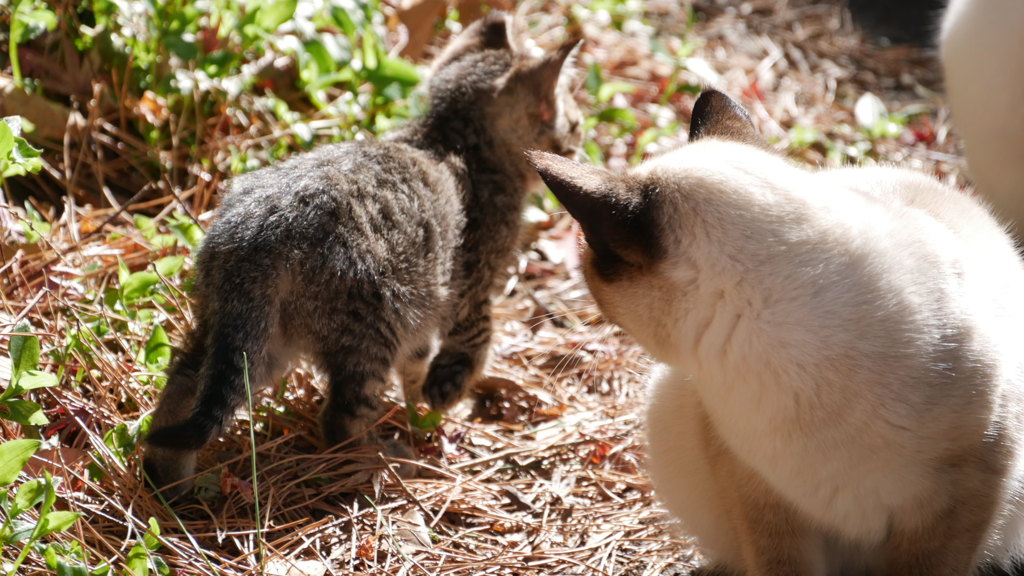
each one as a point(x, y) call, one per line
point(641, 225)
point(525, 100)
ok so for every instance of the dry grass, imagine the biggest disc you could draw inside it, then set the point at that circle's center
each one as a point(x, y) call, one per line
point(541, 471)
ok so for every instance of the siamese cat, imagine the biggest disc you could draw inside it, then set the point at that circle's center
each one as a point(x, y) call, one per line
point(841, 379)
point(982, 47)
point(370, 256)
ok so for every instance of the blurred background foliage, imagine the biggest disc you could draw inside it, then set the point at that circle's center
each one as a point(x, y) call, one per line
point(140, 100)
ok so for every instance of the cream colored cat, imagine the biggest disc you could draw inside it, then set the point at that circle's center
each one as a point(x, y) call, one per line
point(842, 355)
point(982, 45)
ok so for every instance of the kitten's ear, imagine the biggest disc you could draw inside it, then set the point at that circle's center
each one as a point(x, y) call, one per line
point(492, 32)
point(616, 215)
point(541, 77)
point(715, 115)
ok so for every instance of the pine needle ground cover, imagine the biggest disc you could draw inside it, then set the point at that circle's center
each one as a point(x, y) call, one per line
point(131, 115)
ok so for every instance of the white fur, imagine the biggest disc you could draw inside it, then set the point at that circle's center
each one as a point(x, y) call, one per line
point(982, 46)
point(841, 332)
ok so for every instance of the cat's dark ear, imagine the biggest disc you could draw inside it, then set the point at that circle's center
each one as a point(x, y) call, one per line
point(492, 32)
point(617, 215)
point(542, 76)
point(715, 115)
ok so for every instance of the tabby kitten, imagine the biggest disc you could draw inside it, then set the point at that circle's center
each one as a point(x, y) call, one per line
point(841, 387)
point(369, 256)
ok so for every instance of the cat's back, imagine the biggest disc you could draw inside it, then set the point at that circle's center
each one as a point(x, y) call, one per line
point(887, 269)
point(336, 184)
point(910, 195)
point(355, 221)
point(367, 199)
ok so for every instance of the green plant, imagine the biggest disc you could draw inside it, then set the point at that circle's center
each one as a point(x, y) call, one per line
point(141, 561)
point(18, 530)
point(29, 19)
point(17, 156)
point(426, 422)
point(25, 376)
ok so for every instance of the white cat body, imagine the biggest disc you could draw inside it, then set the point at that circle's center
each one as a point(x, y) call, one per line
point(982, 46)
point(841, 377)
point(753, 341)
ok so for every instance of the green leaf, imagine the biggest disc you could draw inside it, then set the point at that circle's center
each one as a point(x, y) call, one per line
point(24, 352)
point(593, 152)
point(803, 136)
point(122, 271)
point(594, 79)
point(145, 225)
point(13, 456)
point(398, 70)
point(427, 422)
point(158, 350)
point(23, 412)
point(26, 156)
point(50, 555)
point(35, 227)
point(65, 569)
point(160, 566)
point(622, 116)
point(182, 48)
point(17, 156)
point(369, 52)
point(430, 421)
point(29, 494)
point(609, 89)
point(29, 23)
point(32, 379)
point(6, 140)
point(645, 139)
point(56, 521)
point(138, 284)
point(274, 13)
point(152, 537)
point(316, 62)
point(169, 265)
point(138, 560)
point(187, 231)
point(21, 530)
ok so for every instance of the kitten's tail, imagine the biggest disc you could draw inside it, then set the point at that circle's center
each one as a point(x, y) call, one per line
point(191, 410)
point(221, 388)
point(209, 383)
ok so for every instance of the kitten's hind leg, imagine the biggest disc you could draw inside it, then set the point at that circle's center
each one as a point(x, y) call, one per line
point(352, 402)
point(207, 384)
point(462, 357)
point(413, 370)
point(167, 468)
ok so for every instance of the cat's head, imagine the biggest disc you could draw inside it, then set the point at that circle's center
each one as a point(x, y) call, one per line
point(525, 99)
point(642, 226)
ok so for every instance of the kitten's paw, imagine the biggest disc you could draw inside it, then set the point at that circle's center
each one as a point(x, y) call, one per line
point(400, 456)
point(448, 379)
point(337, 430)
point(169, 472)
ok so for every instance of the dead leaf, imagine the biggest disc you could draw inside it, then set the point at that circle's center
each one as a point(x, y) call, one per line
point(599, 451)
point(413, 532)
point(367, 548)
point(229, 483)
